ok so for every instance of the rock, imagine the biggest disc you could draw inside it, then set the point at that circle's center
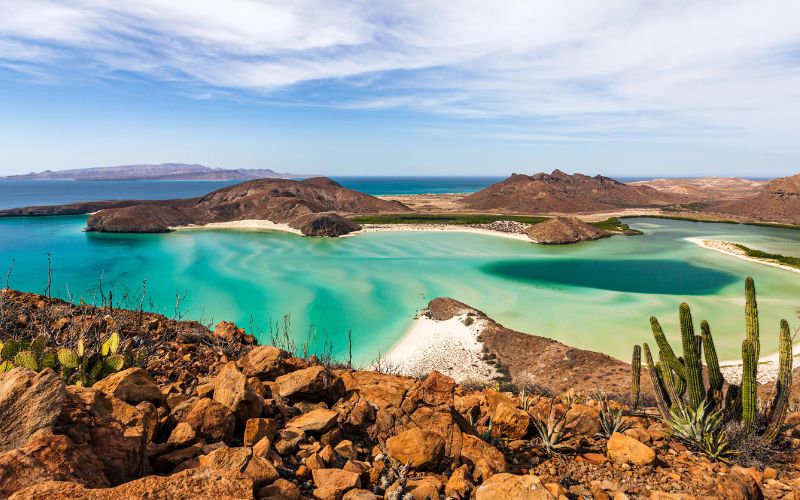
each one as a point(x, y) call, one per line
point(287, 440)
point(418, 448)
point(360, 495)
point(30, 404)
point(49, 458)
point(262, 447)
point(510, 421)
point(425, 488)
point(280, 489)
point(563, 230)
point(627, 450)
point(315, 421)
point(261, 471)
point(211, 420)
point(506, 486)
point(228, 331)
point(133, 386)
point(324, 224)
point(311, 384)
point(334, 483)
point(169, 461)
point(181, 435)
point(483, 457)
point(264, 362)
point(205, 484)
point(259, 428)
point(232, 390)
point(460, 484)
point(738, 487)
point(235, 459)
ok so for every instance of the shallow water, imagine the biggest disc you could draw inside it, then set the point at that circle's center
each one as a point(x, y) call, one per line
point(597, 295)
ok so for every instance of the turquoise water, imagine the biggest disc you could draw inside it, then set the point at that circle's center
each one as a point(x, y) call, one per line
point(597, 295)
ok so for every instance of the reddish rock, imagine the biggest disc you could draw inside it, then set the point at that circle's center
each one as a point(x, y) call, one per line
point(133, 386)
point(510, 487)
point(232, 390)
point(212, 420)
point(332, 484)
point(418, 448)
point(315, 421)
point(280, 489)
point(738, 487)
point(265, 362)
point(510, 421)
point(483, 457)
point(311, 384)
point(30, 404)
point(258, 428)
point(626, 450)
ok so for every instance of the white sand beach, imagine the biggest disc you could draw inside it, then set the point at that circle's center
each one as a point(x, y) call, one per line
point(734, 251)
point(450, 347)
point(252, 224)
point(767, 367)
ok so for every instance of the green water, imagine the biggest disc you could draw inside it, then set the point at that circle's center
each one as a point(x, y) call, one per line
point(597, 295)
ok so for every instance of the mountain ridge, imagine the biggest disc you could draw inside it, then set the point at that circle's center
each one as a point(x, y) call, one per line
point(162, 171)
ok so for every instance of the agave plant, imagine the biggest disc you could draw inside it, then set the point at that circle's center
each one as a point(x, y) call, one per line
point(555, 430)
point(611, 420)
point(702, 429)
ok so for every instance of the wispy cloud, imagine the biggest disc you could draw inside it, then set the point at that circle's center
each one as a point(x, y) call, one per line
point(559, 69)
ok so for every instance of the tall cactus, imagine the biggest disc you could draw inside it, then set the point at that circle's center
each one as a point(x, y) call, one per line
point(636, 371)
point(694, 370)
point(749, 372)
point(783, 386)
point(664, 348)
point(658, 389)
point(715, 379)
point(751, 315)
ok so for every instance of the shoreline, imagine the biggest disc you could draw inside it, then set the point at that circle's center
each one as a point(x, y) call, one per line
point(251, 224)
point(728, 249)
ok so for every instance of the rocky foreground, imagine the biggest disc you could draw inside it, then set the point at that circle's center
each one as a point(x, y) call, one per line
point(212, 415)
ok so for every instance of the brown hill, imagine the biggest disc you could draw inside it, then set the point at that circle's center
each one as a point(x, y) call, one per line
point(561, 230)
point(276, 200)
point(777, 201)
point(706, 188)
point(562, 193)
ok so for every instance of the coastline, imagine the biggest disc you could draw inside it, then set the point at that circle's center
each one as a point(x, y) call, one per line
point(251, 224)
point(728, 249)
point(451, 346)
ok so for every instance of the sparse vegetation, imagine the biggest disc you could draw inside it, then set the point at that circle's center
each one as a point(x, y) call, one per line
point(556, 430)
point(758, 254)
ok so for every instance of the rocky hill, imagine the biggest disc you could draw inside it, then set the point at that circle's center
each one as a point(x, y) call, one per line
point(705, 188)
point(163, 171)
point(558, 192)
point(564, 230)
point(777, 201)
point(213, 415)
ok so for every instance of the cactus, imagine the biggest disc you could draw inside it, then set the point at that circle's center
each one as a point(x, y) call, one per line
point(48, 359)
point(110, 345)
point(658, 387)
point(664, 348)
point(749, 371)
point(751, 315)
point(715, 379)
point(636, 372)
point(694, 370)
point(67, 358)
point(783, 386)
point(26, 359)
point(10, 349)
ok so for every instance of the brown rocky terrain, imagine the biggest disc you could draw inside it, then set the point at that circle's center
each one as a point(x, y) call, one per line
point(164, 171)
point(213, 415)
point(706, 188)
point(563, 230)
point(776, 201)
point(558, 192)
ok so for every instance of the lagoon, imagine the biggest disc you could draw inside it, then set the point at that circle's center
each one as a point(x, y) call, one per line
point(595, 295)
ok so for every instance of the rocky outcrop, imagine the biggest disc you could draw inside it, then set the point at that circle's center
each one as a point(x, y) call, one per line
point(324, 224)
point(563, 230)
point(777, 201)
point(30, 404)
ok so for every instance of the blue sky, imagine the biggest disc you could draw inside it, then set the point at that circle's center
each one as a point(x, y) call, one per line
point(619, 87)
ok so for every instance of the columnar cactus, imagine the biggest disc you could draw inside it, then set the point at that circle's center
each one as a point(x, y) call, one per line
point(751, 315)
point(715, 379)
point(749, 393)
point(783, 386)
point(636, 370)
point(694, 370)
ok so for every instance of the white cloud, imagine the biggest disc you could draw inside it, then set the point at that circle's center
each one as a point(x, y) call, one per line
point(566, 68)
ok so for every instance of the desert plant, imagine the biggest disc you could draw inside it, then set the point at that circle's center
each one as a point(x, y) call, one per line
point(611, 420)
point(636, 370)
point(686, 403)
point(555, 430)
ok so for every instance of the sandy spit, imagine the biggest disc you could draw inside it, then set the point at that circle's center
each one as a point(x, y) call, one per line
point(734, 251)
point(450, 347)
point(377, 228)
point(252, 224)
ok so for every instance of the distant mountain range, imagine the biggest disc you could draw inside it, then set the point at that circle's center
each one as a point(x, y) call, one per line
point(162, 172)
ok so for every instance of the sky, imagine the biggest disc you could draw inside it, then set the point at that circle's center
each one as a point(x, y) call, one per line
point(452, 87)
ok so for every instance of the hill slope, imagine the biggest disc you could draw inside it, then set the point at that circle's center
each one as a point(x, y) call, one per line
point(563, 193)
point(778, 201)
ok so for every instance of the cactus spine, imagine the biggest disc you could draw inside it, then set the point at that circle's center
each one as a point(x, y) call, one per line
point(694, 371)
point(751, 315)
point(636, 371)
point(783, 386)
point(749, 371)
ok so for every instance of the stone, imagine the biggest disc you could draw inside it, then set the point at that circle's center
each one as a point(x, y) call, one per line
point(200, 483)
point(49, 458)
point(510, 421)
point(264, 362)
point(228, 331)
point(261, 471)
point(181, 435)
point(485, 459)
point(287, 440)
point(281, 488)
point(311, 384)
point(169, 461)
point(262, 447)
point(259, 428)
point(735, 486)
point(227, 458)
point(360, 495)
point(30, 404)
point(459, 486)
point(315, 421)
point(346, 450)
point(418, 448)
point(623, 449)
point(506, 486)
point(334, 483)
point(133, 386)
point(211, 420)
point(232, 390)
point(425, 488)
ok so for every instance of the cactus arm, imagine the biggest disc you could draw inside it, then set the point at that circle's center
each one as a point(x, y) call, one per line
point(636, 371)
point(715, 378)
point(749, 372)
point(783, 386)
point(664, 349)
point(694, 371)
point(751, 315)
point(658, 388)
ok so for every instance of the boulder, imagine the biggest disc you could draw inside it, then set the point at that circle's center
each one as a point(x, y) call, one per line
point(311, 384)
point(181, 435)
point(360, 495)
point(232, 390)
point(228, 332)
point(332, 484)
point(506, 486)
point(623, 449)
point(30, 404)
point(324, 224)
point(235, 459)
point(485, 459)
point(423, 488)
point(261, 471)
point(510, 421)
point(211, 420)
point(49, 458)
point(418, 448)
point(460, 484)
point(199, 483)
point(133, 386)
point(259, 428)
point(315, 421)
point(735, 486)
point(280, 489)
point(264, 362)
